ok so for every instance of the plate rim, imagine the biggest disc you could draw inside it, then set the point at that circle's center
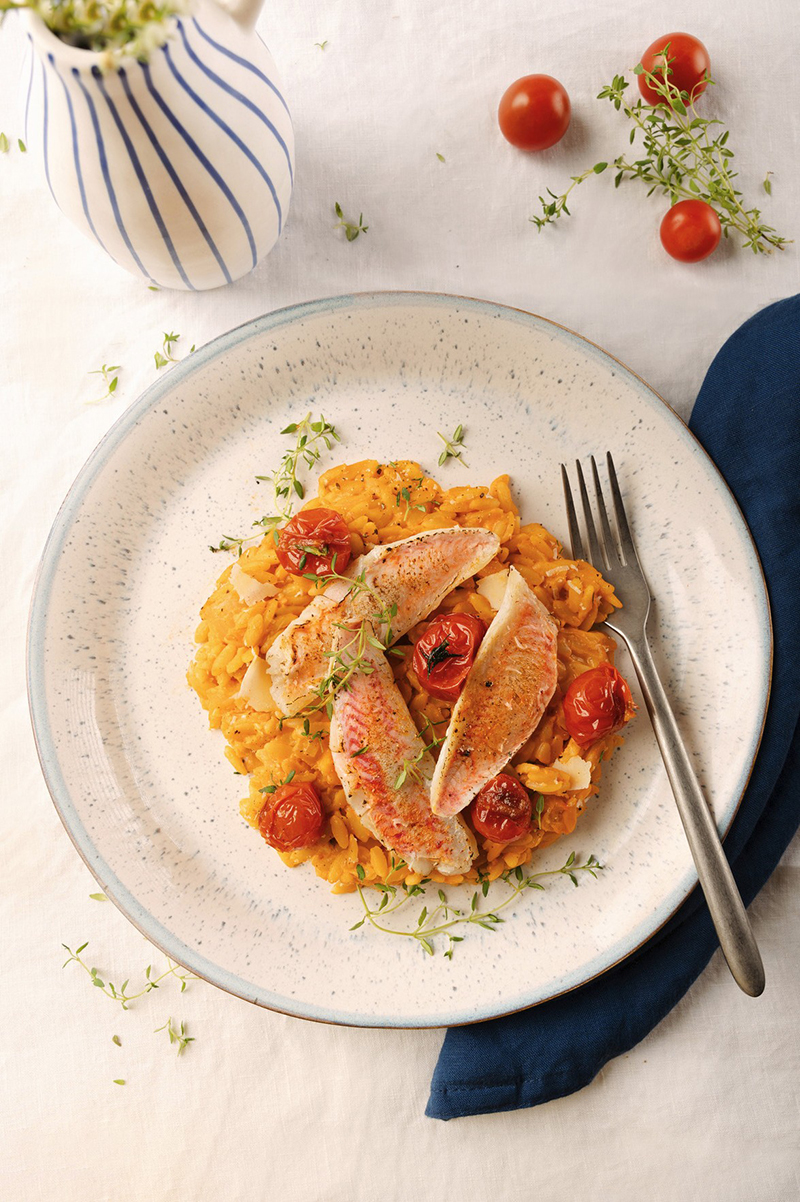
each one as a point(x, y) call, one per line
point(123, 899)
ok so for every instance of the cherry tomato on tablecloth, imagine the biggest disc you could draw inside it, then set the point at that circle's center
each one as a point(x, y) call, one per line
point(502, 810)
point(688, 63)
point(311, 539)
point(690, 231)
point(534, 112)
point(597, 703)
point(445, 653)
point(291, 817)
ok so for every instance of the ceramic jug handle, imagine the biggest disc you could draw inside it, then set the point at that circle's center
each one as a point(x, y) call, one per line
point(244, 12)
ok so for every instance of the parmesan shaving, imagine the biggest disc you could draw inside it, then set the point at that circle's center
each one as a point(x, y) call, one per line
point(577, 769)
point(255, 686)
point(250, 591)
point(493, 588)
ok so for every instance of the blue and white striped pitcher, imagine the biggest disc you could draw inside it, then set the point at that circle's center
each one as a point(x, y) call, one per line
point(181, 168)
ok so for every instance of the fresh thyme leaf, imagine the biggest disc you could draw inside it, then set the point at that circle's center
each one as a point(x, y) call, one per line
point(767, 184)
point(165, 355)
point(3, 144)
point(121, 995)
point(116, 1039)
point(444, 917)
point(440, 157)
point(322, 45)
point(360, 751)
point(23, 148)
point(119, 1080)
point(539, 809)
point(452, 446)
point(110, 379)
point(312, 436)
point(682, 156)
point(351, 228)
point(98, 897)
point(177, 1035)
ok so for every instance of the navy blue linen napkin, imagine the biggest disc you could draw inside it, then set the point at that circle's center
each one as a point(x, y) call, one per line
point(747, 416)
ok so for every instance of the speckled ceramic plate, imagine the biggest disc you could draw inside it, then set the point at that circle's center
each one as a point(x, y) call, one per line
point(140, 782)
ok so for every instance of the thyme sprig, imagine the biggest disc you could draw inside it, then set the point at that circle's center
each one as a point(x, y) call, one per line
point(311, 436)
point(165, 356)
point(351, 228)
point(110, 374)
point(122, 995)
point(444, 917)
point(682, 155)
point(177, 1035)
point(453, 446)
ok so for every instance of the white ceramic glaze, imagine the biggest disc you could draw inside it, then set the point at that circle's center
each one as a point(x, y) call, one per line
point(180, 168)
point(140, 781)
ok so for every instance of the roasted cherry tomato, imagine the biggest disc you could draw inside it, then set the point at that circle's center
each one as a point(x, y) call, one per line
point(502, 810)
point(688, 61)
point(534, 112)
point(291, 817)
point(444, 655)
point(690, 231)
point(597, 703)
point(311, 539)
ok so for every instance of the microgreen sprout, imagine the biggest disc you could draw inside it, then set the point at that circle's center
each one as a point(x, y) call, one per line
point(165, 355)
point(351, 228)
point(110, 374)
point(322, 45)
point(683, 156)
point(177, 1035)
point(122, 995)
point(441, 920)
point(452, 446)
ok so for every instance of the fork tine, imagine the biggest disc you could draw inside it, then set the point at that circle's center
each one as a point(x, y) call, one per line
point(625, 536)
point(596, 554)
point(575, 540)
point(607, 536)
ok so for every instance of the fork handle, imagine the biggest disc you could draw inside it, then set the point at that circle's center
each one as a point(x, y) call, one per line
point(724, 901)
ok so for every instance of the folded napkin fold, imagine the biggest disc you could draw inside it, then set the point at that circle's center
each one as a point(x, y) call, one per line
point(747, 416)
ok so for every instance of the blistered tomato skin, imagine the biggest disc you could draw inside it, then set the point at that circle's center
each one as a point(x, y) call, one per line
point(597, 703)
point(534, 112)
point(315, 541)
point(502, 810)
point(291, 817)
point(446, 652)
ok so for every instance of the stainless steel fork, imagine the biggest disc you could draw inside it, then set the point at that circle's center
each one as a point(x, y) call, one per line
point(614, 554)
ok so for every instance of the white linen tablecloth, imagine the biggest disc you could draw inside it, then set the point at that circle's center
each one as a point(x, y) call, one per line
point(263, 1106)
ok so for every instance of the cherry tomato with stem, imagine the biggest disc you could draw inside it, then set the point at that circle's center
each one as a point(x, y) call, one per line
point(502, 810)
point(444, 655)
point(534, 112)
point(291, 817)
point(597, 703)
point(690, 231)
point(688, 61)
point(314, 541)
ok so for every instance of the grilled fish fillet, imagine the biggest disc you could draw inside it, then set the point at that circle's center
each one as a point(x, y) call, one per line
point(506, 693)
point(415, 575)
point(371, 718)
